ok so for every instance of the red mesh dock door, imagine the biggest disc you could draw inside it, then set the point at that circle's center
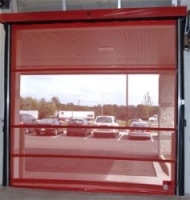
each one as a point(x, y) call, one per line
point(120, 68)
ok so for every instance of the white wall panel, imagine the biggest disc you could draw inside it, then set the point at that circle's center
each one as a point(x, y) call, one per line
point(187, 116)
point(185, 3)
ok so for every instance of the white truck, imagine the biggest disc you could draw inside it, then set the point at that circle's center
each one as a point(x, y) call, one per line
point(66, 115)
point(105, 126)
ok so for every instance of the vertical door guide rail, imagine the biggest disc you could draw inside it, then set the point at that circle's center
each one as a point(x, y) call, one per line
point(180, 185)
point(6, 139)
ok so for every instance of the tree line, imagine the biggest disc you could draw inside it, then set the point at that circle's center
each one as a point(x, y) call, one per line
point(48, 108)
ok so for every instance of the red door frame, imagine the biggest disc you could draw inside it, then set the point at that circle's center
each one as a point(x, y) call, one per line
point(89, 16)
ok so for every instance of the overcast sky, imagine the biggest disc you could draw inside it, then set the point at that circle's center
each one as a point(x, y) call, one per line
point(91, 89)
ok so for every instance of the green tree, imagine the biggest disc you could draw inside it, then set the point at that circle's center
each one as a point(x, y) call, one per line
point(108, 109)
point(28, 103)
point(147, 101)
point(142, 111)
point(56, 102)
point(46, 109)
point(132, 113)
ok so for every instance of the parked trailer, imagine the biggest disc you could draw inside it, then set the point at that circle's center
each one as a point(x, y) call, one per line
point(64, 115)
point(34, 113)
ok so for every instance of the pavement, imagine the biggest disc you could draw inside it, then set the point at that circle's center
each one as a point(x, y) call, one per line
point(12, 193)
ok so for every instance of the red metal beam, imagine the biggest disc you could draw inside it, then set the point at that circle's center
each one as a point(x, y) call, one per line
point(125, 13)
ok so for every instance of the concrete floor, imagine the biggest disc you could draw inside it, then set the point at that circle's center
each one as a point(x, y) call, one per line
point(11, 193)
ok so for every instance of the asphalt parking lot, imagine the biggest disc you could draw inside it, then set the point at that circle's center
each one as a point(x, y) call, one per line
point(120, 146)
point(87, 158)
point(79, 146)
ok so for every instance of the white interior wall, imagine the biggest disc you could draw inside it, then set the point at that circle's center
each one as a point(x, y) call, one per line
point(185, 3)
point(187, 117)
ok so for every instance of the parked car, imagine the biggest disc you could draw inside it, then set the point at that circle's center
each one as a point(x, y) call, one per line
point(154, 118)
point(27, 119)
point(45, 126)
point(136, 120)
point(139, 133)
point(103, 122)
point(75, 129)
